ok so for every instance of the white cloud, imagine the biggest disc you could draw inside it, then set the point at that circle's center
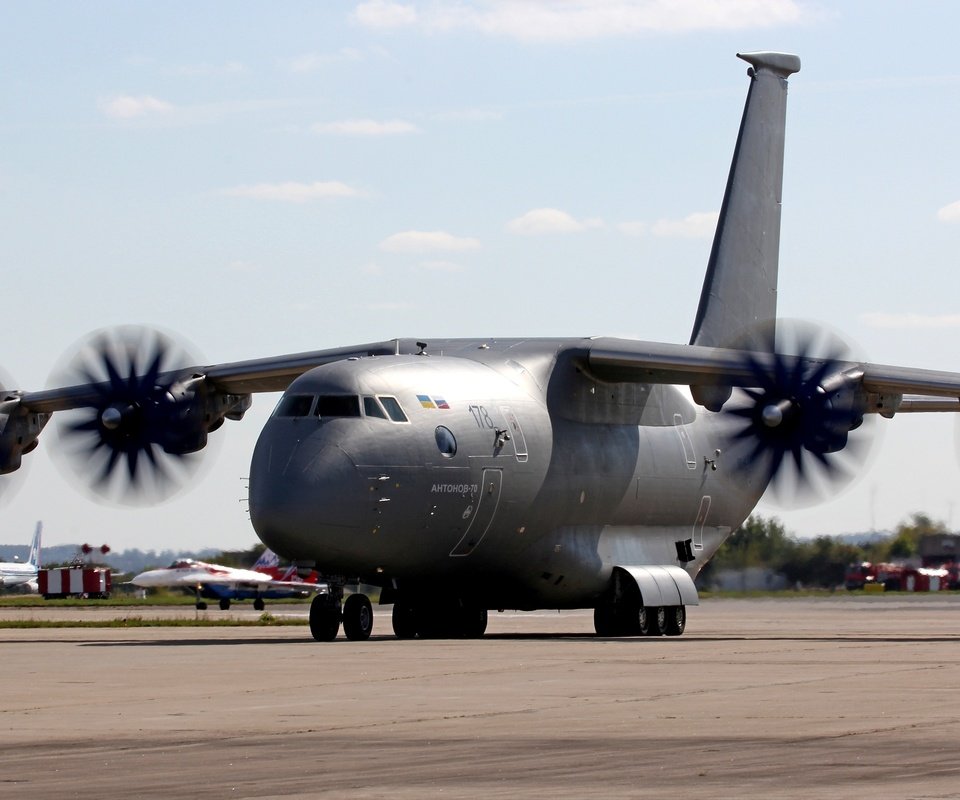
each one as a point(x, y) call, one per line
point(427, 241)
point(569, 20)
point(385, 14)
point(292, 192)
point(879, 319)
point(549, 220)
point(950, 213)
point(126, 106)
point(699, 225)
point(366, 127)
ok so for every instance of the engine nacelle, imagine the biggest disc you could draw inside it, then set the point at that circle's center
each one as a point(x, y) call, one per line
point(19, 430)
point(194, 409)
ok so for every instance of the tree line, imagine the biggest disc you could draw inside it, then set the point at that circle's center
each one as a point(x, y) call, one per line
point(818, 562)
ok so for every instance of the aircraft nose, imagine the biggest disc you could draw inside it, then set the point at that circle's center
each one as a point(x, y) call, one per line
point(308, 501)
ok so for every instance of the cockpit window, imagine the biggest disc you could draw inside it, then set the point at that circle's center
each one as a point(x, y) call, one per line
point(393, 408)
point(372, 408)
point(338, 405)
point(294, 405)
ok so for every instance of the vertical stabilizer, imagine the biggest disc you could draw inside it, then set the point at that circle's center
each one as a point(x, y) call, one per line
point(267, 560)
point(34, 558)
point(740, 287)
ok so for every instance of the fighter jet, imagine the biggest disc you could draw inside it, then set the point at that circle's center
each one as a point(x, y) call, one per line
point(223, 584)
point(464, 475)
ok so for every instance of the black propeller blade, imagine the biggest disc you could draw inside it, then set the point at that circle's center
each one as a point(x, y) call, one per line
point(799, 427)
point(117, 446)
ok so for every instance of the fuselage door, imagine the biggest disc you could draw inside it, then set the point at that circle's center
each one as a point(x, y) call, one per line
point(516, 433)
point(485, 508)
point(685, 442)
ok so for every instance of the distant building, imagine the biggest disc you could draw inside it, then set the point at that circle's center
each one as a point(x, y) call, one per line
point(937, 549)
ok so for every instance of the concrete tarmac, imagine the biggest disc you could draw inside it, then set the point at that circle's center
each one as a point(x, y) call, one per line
point(840, 697)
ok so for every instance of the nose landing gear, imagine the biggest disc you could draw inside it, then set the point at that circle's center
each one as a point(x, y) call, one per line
point(326, 616)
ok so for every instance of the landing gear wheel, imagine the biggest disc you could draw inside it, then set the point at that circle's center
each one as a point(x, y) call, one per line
point(201, 606)
point(258, 604)
point(473, 622)
point(605, 621)
point(324, 618)
point(656, 621)
point(676, 620)
point(404, 621)
point(357, 617)
point(644, 616)
point(224, 603)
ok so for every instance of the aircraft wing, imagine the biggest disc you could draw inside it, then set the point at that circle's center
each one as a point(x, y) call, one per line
point(200, 575)
point(890, 389)
point(272, 374)
point(220, 576)
point(607, 359)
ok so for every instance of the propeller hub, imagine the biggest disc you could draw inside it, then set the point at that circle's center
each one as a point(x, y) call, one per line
point(112, 417)
point(774, 413)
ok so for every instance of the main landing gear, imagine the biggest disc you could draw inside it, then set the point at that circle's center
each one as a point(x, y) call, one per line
point(430, 621)
point(630, 617)
point(326, 616)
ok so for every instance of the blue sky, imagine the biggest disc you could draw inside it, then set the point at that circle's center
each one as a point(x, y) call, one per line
point(267, 179)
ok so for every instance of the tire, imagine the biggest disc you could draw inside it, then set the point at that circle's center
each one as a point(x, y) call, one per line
point(324, 618)
point(357, 617)
point(658, 621)
point(201, 606)
point(676, 620)
point(224, 603)
point(258, 604)
point(404, 621)
point(473, 622)
point(605, 621)
point(644, 615)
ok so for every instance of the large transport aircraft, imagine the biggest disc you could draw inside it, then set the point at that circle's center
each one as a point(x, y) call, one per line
point(22, 575)
point(463, 475)
point(265, 580)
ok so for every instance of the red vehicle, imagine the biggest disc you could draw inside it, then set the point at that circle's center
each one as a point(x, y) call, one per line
point(90, 582)
point(866, 573)
point(898, 577)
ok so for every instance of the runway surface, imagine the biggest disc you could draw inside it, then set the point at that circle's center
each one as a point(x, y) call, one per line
point(844, 697)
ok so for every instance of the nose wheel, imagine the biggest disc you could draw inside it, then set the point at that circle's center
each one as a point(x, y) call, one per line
point(324, 618)
point(357, 617)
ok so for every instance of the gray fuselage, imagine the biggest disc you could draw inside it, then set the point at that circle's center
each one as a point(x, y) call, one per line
point(509, 474)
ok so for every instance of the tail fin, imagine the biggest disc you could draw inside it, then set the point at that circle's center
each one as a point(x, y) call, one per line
point(267, 560)
point(740, 287)
point(34, 557)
